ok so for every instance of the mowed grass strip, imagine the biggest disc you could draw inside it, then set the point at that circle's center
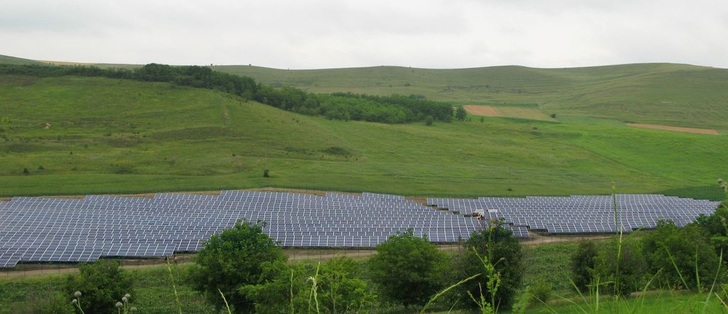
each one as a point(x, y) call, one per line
point(674, 128)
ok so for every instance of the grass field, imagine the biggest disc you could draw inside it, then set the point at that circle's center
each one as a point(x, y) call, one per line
point(641, 93)
point(73, 135)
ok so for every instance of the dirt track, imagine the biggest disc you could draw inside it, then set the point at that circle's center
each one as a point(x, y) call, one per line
point(674, 128)
point(25, 271)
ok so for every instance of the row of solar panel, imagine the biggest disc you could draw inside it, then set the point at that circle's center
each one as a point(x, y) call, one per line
point(584, 213)
point(182, 222)
point(293, 219)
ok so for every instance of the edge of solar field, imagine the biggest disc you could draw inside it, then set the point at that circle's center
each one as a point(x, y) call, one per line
point(70, 230)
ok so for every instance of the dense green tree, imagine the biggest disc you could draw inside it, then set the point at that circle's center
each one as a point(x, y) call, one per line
point(683, 257)
point(502, 250)
point(154, 72)
point(582, 265)
point(620, 267)
point(339, 106)
point(99, 286)
point(332, 287)
point(231, 260)
point(407, 269)
point(716, 224)
point(460, 113)
point(284, 288)
point(341, 288)
point(429, 120)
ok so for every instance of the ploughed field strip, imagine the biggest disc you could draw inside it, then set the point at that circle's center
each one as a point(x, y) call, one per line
point(583, 214)
point(60, 230)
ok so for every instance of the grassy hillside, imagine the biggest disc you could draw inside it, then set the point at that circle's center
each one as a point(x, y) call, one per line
point(72, 135)
point(14, 60)
point(642, 93)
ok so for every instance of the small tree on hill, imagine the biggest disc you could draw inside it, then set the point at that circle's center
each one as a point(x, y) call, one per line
point(460, 113)
point(429, 120)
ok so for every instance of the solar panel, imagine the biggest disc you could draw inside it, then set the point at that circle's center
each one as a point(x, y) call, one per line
point(43, 229)
point(585, 213)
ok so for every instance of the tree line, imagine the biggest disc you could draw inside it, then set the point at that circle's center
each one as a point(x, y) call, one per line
point(243, 270)
point(408, 271)
point(336, 106)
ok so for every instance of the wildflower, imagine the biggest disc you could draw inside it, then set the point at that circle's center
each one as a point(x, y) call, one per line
point(77, 294)
point(119, 304)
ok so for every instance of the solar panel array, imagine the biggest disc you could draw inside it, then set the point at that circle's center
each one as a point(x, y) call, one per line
point(584, 213)
point(40, 229)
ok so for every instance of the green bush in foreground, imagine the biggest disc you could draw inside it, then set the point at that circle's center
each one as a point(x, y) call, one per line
point(503, 250)
point(236, 258)
point(582, 265)
point(407, 269)
point(98, 286)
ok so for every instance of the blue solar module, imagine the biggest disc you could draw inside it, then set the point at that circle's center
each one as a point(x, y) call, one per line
point(45, 229)
point(578, 214)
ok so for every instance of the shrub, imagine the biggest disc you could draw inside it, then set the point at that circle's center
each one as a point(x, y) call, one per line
point(582, 265)
point(98, 286)
point(503, 250)
point(621, 273)
point(232, 260)
point(406, 268)
point(683, 257)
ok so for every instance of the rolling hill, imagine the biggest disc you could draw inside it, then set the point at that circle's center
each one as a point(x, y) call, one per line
point(15, 60)
point(672, 94)
point(80, 135)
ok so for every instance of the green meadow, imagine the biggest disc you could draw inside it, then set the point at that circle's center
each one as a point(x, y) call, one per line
point(80, 135)
point(660, 93)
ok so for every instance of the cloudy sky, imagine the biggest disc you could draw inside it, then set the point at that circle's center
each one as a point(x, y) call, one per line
point(305, 34)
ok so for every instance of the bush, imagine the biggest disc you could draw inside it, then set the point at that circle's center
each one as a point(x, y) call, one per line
point(429, 120)
point(98, 286)
point(683, 257)
point(232, 260)
point(407, 269)
point(541, 291)
point(582, 265)
point(621, 273)
point(497, 244)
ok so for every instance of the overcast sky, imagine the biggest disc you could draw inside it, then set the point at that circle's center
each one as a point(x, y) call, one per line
point(301, 34)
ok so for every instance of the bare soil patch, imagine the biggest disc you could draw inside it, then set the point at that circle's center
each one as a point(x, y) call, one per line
point(674, 128)
point(509, 112)
point(487, 111)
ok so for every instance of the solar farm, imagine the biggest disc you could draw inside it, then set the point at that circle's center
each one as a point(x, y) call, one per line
point(67, 230)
